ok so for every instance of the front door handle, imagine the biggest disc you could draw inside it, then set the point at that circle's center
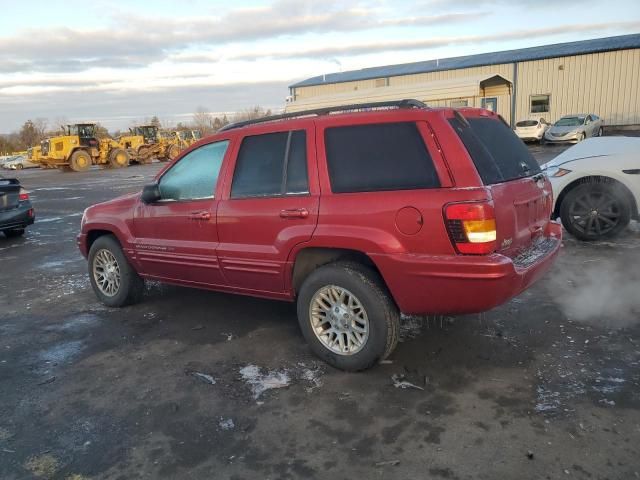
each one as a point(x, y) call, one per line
point(294, 213)
point(200, 216)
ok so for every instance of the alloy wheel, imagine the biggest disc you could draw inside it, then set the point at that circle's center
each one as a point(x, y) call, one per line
point(339, 320)
point(106, 272)
point(595, 213)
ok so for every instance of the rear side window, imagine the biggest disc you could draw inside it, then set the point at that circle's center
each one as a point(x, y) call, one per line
point(272, 164)
point(498, 154)
point(386, 156)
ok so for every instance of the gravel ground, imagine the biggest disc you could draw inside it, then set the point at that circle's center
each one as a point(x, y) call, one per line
point(195, 384)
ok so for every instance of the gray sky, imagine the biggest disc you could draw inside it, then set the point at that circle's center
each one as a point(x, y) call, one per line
point(118, 62)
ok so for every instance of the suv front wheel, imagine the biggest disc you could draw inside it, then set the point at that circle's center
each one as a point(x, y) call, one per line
point(114, 281)
point(347, 316)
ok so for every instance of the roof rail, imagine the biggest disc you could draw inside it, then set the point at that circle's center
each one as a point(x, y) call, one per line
point(406, 103)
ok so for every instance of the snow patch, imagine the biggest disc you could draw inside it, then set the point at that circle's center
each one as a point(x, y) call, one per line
point(261, 382)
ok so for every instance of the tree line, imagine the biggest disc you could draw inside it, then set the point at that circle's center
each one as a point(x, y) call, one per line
point(32, 132)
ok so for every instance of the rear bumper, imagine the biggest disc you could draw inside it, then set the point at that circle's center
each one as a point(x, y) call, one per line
point(423, 284)
point(19, 217)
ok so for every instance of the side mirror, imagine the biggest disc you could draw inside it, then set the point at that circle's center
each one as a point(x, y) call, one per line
point(150, 193)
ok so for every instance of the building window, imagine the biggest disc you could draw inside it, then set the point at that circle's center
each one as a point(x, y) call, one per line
point(540, 103)
point(459, 103)
point(382, 82)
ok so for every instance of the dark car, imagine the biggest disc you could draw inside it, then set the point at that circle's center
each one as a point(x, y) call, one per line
point(16, 211)
point(356, 216)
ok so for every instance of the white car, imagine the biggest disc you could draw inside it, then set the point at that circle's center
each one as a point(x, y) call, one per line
point(19, 163)
point(596, 186)
point(531, 130)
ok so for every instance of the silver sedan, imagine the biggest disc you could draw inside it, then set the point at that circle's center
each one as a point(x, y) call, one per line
point(574, 128)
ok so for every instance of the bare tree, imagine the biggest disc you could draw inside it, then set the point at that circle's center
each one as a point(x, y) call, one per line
point(251, 114)
point(203, 120)
point(32, 132)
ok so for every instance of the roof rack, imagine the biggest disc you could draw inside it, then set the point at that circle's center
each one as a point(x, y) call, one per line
point(406, 103)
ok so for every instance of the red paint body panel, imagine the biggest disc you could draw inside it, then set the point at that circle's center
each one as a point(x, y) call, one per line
point(249, 245)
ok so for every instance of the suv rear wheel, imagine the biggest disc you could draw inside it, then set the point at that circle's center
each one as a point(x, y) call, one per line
point(114, 281)
point(347, 316)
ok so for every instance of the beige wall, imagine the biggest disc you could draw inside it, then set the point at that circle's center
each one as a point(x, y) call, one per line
point(607, 84)
point(506, 70)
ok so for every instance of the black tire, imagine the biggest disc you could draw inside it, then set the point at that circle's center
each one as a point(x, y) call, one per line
point(583, 135)
point(173, 151)
point(15, 232)
point(19, 166)
point(80, 161)
point(542, 140)
point(600, 132)
point(131, 288)
point(611, 207)
point(369, 289)
point(118, 158)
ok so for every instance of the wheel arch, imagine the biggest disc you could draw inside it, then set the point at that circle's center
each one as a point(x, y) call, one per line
point(309, 259)
point(601, 179)
point(94, 234)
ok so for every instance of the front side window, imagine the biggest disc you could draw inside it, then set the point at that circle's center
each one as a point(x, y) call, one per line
point(377, 157)
point(540, 103)
point(195, 175)
point(272, 164)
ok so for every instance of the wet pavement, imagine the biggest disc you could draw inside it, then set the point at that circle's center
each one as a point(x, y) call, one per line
point(196, 384)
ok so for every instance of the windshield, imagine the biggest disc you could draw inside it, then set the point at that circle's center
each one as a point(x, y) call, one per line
point(527, 123)
point(183, 135)
point(570, 122)
point(149, 132)
point(196, 134)
point(85, 131)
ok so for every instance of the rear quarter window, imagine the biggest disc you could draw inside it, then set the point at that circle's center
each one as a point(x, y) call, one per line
point(378, 157)
point(497, 153)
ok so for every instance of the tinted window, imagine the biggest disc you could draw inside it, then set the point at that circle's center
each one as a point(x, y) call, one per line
point(271, 164)
point(389, 156)
point(496, 151)
point(195, 175)
point(527, 123)
point(297, 180)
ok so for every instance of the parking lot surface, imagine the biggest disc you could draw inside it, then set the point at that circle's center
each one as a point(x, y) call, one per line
point(196, 384)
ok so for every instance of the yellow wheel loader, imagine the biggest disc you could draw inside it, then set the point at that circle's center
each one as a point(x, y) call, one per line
point(78, 149)
point(143, 144)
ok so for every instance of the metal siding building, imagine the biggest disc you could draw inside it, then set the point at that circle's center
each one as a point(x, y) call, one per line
point(598, 76)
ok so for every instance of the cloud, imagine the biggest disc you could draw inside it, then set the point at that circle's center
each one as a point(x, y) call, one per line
point(421, 44)
point(136, 41)
point(120, 109)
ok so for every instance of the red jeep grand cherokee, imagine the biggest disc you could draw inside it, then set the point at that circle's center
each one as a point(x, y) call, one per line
point(355, 215)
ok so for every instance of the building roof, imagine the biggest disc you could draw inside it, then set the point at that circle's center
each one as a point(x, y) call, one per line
point(622, 42)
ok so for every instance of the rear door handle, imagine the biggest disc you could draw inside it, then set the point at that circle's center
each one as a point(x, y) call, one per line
point(294, 213)
point(204, 215)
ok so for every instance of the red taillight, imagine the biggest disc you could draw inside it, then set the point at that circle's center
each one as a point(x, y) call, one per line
point(472, 227)
point(23, 195)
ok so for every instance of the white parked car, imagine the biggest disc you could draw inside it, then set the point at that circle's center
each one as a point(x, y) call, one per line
point(596, 186)
point(532, 130)
point(19, 163)
point(574, 128)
